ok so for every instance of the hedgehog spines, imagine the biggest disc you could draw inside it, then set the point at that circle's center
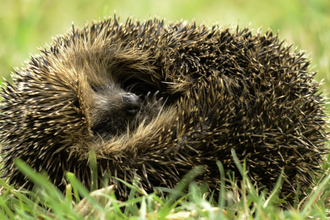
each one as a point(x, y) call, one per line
point(154, 101)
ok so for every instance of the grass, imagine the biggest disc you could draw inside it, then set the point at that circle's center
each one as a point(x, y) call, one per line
point(245, 202)
point(26, 25)
point(241, 200)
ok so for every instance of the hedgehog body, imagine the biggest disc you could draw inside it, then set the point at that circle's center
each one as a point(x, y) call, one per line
point(154, 101)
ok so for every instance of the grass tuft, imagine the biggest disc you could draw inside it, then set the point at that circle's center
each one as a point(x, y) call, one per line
point(47, 202)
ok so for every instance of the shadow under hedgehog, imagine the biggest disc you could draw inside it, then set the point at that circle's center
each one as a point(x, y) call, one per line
point(154, 101)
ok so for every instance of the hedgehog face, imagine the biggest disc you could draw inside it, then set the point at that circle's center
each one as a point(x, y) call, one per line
point(116, 111)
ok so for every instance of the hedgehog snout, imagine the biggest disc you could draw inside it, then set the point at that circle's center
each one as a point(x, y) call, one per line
point(131, 103)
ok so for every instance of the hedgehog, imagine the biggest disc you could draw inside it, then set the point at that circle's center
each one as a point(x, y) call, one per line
point(154, 100)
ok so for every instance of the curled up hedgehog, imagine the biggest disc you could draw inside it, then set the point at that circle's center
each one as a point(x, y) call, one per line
point(154, 101)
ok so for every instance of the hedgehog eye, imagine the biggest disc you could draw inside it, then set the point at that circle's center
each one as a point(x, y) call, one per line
point(132, 111)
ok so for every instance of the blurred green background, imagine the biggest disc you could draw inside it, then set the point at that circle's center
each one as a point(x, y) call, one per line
point(26, 25)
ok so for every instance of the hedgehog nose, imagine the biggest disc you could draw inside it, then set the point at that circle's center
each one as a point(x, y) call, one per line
point(131, 103)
